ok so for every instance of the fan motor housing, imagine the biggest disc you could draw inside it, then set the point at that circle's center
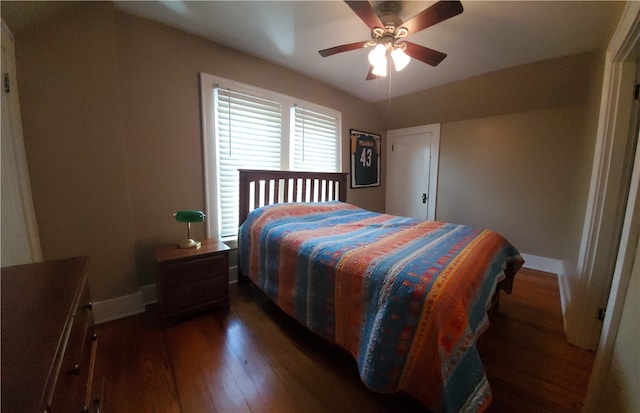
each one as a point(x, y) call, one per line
point(388, 13)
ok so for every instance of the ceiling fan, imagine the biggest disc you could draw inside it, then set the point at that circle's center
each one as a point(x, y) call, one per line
point(388, 33)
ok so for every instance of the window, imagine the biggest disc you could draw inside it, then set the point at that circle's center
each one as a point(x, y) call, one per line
point(314, 147)
point(245, 127)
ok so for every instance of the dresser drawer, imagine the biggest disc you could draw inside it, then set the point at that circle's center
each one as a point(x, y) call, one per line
point(73, 381)
point(182, 273)
point(194, 295)
point(45, 332)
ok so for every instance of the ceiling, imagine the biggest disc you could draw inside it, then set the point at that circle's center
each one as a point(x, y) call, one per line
point(487, 36)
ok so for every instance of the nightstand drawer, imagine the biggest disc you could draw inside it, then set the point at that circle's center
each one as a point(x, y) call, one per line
point(192, 271)
point(176, 299)
point(193, 279)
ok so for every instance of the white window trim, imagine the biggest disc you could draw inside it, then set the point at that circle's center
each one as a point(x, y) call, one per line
point(209, 139)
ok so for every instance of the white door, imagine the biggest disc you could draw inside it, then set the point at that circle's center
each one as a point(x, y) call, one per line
point(412, 170)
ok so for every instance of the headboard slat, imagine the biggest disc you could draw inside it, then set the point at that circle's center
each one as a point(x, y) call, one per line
point(334, 184)
point(267, 191)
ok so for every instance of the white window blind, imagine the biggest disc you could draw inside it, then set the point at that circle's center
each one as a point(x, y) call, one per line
point(315, 141)
point(249, 131)
point(246, 127)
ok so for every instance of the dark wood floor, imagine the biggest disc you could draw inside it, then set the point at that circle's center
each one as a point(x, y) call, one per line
point(254, 358)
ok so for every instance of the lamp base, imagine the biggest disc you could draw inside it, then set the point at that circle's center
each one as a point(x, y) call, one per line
point(190, 243)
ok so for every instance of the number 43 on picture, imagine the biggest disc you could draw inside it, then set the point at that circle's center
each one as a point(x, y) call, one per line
point(365, 159)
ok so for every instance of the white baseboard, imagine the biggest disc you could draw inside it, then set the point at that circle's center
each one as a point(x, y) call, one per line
point(545, 264)
point(565, 297)
point(125, 306)
point(233, 274)
point(149, 294)
point(117, 308)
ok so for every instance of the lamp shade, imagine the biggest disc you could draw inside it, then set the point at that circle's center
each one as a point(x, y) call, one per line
point(189, 215)
point(378, 56)
point(400, 58)
point(380, 70)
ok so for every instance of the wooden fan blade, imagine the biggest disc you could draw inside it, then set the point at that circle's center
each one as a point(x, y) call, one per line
point(438, 12)
point(366, 12)
point(342, 48)
point(424, 54)
point(370, 75)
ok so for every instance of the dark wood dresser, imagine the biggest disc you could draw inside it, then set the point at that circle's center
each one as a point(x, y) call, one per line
point(192, 279)
point(48, 342)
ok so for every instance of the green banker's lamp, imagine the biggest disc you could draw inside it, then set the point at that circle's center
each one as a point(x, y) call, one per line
point(189, 216)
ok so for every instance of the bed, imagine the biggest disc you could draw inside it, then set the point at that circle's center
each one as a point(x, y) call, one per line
point(407, 298)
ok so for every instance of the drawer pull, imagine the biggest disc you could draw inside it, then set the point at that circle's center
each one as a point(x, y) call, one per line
point(88, 306)
point(94, 337)
point(75, 370)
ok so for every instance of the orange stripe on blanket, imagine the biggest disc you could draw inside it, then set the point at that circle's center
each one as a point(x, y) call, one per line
point(349, 281)
point(436, 331)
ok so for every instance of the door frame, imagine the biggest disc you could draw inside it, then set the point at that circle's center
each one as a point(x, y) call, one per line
point(614, 126)
point(31, 232)
point(434, 129)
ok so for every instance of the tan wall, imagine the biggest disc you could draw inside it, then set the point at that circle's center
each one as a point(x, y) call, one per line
point(516, 150)
point(565, 81)
point(514, 174)
point(67, 75)
point(111, 118)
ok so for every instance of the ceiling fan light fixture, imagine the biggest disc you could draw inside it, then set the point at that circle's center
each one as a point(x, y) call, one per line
point(388, 32)
point(381, 69)
point(400, 58)
point(378, 56)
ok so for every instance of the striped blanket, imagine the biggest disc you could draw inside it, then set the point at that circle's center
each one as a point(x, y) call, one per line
point(407, 298)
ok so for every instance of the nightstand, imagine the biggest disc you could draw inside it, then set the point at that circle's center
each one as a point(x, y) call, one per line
point(192, 279)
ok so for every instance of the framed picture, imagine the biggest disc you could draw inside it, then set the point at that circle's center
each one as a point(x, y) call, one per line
point(365, 159)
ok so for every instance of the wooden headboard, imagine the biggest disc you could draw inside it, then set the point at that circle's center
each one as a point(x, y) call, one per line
point(259, 188)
